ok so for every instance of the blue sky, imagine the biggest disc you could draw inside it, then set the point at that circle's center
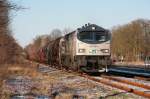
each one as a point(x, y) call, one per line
point(41, 16)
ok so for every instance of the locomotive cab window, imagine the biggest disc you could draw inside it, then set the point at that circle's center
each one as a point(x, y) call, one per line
point(100, 37)
point(86, 36)
point(92, 37)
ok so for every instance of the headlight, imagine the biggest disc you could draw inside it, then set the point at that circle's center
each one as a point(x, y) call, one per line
point(105, 50)
point(81, 50)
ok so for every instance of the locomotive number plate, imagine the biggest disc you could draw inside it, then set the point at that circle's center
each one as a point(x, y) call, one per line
point(93, 51)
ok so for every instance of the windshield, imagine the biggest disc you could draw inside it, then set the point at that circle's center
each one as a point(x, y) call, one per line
point(93, 37)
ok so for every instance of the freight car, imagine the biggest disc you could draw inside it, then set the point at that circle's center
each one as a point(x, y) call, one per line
point(85, 49)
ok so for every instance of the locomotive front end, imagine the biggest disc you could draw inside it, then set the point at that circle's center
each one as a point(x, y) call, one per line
point(93, 48)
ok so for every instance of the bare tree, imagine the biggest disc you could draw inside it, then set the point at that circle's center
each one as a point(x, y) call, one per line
point(131, 40)
point(9, 49)
point(55, 33)
point(32, 50)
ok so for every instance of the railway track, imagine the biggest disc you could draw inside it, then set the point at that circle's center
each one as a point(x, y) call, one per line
point(123, 84)
point(126, 85)
point(137, 84)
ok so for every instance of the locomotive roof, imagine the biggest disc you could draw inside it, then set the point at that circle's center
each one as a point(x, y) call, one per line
point(91, 27)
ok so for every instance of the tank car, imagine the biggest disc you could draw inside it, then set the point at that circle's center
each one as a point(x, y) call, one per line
point(53, 52)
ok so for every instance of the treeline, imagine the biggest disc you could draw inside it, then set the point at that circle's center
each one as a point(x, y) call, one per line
point(40, 41)
point(9, 49)
point(131, 41)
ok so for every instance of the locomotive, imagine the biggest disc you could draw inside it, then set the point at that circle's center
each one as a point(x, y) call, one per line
point(85, 49)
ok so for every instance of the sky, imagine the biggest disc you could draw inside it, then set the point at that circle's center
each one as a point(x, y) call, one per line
point(42, 16)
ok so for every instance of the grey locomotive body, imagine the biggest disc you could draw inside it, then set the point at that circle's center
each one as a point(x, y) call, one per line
point(86, 49)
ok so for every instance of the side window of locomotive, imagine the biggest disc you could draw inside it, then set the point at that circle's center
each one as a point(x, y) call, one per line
point(67, 37)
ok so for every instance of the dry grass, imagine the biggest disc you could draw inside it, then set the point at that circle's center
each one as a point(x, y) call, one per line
point(16, 69)
point(8, 70)
point(27, 69)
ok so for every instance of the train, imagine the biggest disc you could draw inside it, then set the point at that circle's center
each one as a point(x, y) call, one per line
point(85, 49)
